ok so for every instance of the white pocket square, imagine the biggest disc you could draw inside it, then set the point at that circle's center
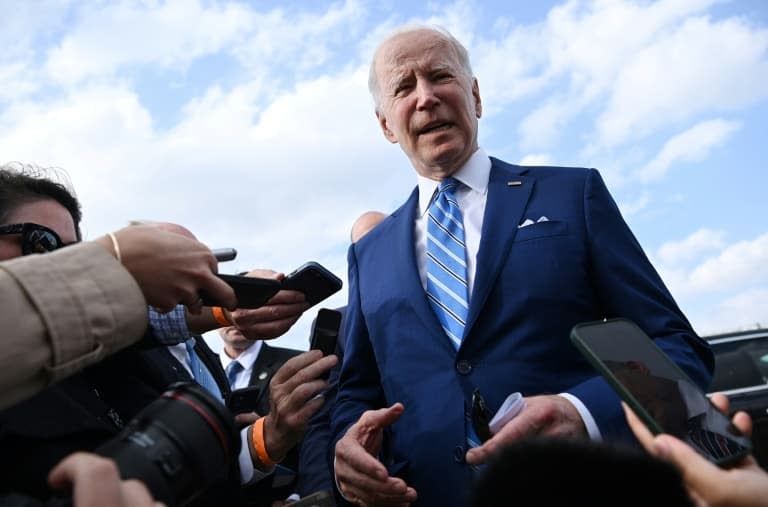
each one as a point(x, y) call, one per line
point(528, 221)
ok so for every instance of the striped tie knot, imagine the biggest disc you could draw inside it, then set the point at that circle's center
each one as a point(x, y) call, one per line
point(447, 262)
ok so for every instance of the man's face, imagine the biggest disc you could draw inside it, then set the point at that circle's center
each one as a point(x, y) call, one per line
point(427, 103)
point(235, 343)
point(47, 212)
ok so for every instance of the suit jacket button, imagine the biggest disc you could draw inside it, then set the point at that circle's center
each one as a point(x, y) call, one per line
point(458, 454)
point(464, 367)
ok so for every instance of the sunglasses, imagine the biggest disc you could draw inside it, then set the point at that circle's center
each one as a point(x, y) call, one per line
point(36, 238)
point(481, 416)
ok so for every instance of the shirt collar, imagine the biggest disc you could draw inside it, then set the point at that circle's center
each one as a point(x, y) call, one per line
point(474, 174)
point(246, 358)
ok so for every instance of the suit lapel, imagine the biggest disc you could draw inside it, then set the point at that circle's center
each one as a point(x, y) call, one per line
point(265, 366)
point(509, 189)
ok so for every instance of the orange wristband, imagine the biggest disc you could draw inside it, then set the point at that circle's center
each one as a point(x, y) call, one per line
point(257, 435)
point(220, 316)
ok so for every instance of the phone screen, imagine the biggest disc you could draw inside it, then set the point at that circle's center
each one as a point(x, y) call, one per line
point(659, 392)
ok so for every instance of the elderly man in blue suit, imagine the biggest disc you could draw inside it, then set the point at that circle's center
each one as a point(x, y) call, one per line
point(475, 283)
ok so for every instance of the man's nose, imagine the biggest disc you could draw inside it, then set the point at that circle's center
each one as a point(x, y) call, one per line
point(425, 95)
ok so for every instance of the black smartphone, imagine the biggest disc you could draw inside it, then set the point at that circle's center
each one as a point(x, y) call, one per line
point(657, 390)
point(251, 292)
point(316, 282)
point(325, 331)
point(243, 400)
point(322, 498)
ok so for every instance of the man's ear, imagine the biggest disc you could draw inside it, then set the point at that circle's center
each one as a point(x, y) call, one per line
point(478, 100)
point(385, 129)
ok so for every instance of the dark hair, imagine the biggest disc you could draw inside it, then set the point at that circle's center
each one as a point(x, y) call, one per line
point(24, 183)
point(554, 472)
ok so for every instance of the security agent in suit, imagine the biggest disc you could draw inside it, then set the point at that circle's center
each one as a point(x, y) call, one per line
point(546, 248)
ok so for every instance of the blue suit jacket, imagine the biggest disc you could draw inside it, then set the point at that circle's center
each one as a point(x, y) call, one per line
point(532, 284)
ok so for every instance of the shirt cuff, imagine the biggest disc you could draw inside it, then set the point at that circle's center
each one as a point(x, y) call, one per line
point(248, 473)
point(589, 422)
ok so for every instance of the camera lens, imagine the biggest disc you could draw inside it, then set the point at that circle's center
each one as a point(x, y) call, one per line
point(178, 445)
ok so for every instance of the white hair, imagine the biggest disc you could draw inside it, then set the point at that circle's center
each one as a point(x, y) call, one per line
point(461, 52)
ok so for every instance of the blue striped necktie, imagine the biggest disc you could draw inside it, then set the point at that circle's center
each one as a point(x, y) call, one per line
point(447, 262)
point(200, 372)
point(232, 370)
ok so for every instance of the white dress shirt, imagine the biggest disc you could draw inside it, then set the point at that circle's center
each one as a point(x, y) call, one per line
point(472, 195)
point(246, 359)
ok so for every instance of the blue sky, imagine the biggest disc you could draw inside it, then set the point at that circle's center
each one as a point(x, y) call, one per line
point(251, 124)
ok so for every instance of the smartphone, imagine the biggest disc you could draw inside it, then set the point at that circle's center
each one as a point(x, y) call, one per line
point(316, 282)
point(325, 331)
point(657, 390)
point(224, 254)
point(251, 292)
point(322, 498)
point(243, 400)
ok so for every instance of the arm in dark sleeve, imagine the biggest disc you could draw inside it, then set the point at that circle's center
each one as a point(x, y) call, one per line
point(628, 286)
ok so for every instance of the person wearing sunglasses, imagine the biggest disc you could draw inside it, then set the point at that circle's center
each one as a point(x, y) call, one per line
point(35, 238)
point(71, 308)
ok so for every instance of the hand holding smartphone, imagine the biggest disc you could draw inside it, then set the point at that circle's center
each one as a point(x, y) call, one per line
point(250, 292)
point(657, 390)
point(243, 400)
point(316, 282)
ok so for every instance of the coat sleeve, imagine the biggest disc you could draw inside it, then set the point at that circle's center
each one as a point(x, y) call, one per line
point(628, 286)
point(359, 379)
point(61, 312)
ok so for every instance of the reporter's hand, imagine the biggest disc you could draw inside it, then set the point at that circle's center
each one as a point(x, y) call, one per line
point(275, 317)
point(745, 485)
point(549, 415)
point(95, 482)
point(170, 268)
point(361, 477)
point(293, 399)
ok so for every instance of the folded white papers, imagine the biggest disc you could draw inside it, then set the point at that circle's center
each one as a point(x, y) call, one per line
point(508, 410)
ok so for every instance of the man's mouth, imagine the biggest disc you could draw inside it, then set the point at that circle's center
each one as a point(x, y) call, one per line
point(435, 127)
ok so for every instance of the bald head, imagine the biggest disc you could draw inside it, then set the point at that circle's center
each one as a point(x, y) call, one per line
point(365, 223)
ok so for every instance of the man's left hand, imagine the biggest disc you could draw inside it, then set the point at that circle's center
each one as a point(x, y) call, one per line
point(551, 416)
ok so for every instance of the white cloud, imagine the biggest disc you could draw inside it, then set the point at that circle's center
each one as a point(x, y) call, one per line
point(687, 249)
point(656, 64)
point(170, 34)
point(690, 146)
point(697, 67)
point(631, 208)
point(738, 266)
point(743, 311)
point(536, 159)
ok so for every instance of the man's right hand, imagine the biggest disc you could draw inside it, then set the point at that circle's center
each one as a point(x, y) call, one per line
point(361, 477)
point(170, 268)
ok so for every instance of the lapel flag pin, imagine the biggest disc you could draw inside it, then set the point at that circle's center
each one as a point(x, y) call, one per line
point(514, 183)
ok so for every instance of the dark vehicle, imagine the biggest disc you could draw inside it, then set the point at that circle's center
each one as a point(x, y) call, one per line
point(741, 373)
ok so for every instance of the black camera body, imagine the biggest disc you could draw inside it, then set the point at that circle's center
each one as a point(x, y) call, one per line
point(178, 445)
